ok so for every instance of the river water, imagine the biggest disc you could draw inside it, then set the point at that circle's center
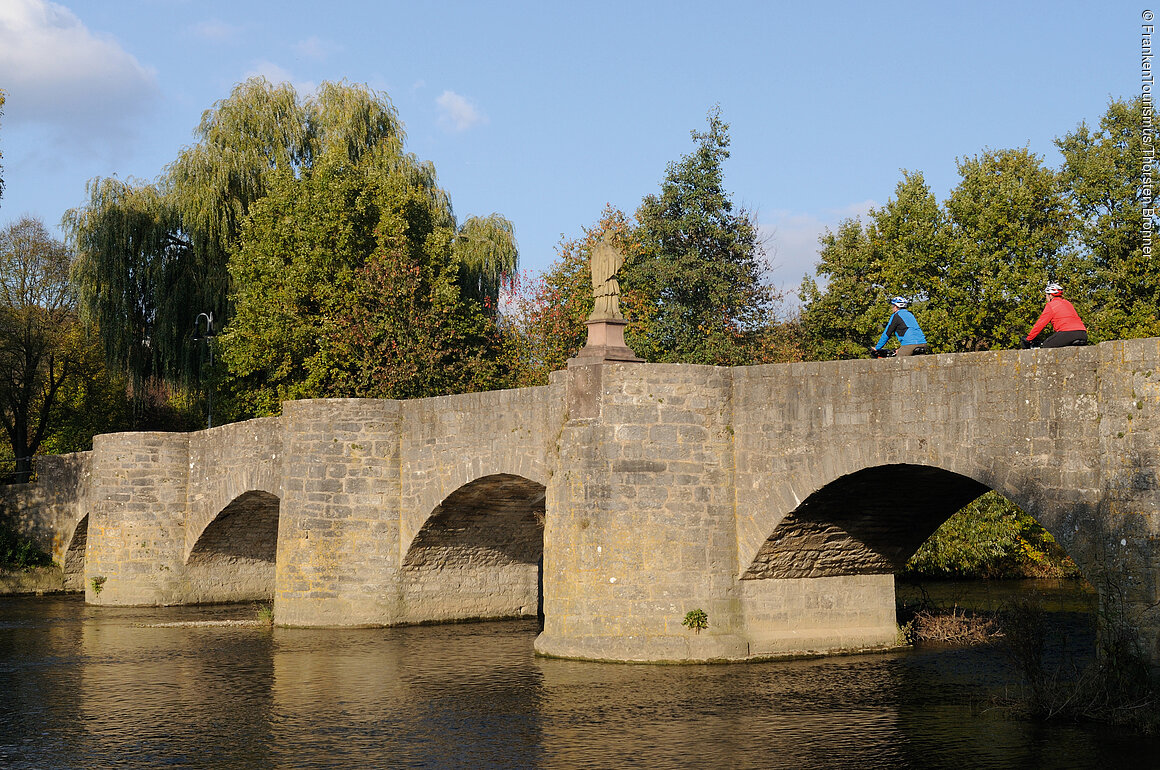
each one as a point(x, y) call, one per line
point(100, 687)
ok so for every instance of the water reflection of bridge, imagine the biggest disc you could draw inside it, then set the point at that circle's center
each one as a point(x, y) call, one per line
point(779, 499)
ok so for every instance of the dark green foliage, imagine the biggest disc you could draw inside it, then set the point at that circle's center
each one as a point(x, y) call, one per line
point(990, 538)
point(134, 277)
point(843, 318)
point(1103, 177)
point(1010, 224)
point(353, 281)
point(975, 267)
point(18, 552)
point(974, 271)
point(694, 285)
point(41, 343)
point(91, 403)
point(696, 620)
point(275, 208)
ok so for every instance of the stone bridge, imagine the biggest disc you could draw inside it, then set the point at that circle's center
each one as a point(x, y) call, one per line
point(778, 499)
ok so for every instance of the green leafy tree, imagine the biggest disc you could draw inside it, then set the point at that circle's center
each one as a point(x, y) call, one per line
point(130, 250)
point(991, 538)
point(39, 335)
point(94, 401)
point(1119, 280)
point(354, 280)
point(692, 283)
point(839, 317)
point(975, 270)
point(153, 256)
point(1012, 223)
point(695, 287)
point(902, 252)
point(409, 328)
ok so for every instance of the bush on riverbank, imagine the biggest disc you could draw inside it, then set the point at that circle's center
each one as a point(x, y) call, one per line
point(957, 626)
point(991, 538)
point(18, 552)
point(1116, 688)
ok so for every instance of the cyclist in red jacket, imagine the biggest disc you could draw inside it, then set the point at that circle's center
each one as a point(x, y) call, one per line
point(1065, 323)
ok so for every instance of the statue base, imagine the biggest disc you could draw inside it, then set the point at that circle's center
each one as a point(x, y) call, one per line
point(605, 345)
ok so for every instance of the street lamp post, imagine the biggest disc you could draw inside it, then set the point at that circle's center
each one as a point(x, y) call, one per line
point(208, 337)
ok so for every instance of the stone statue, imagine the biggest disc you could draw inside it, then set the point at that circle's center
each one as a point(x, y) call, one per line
point(605, 262)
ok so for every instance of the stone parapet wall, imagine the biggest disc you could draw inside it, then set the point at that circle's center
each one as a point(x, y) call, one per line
point(49, 510)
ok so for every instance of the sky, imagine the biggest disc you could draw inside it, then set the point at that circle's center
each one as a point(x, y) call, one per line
point(546, 112)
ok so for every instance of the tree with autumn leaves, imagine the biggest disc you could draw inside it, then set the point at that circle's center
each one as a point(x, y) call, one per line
point(694, 282)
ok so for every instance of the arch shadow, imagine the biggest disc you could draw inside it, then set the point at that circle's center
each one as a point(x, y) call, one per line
point(233, 560)
point(74, 557)
point(479, 555)
point(868, 522)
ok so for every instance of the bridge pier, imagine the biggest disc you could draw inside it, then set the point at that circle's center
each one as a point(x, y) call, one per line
point(338, 534)
point(843, 612)
point(136, 533)
point(639, 518)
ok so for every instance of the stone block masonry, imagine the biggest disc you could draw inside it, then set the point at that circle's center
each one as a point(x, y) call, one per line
point(777, 499)
point(640, 518)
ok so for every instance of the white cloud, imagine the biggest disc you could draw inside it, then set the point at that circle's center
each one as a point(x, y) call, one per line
point(456, 113)
point(792, 240)
point(316, 48)
point(216, 31)
point(58, 73)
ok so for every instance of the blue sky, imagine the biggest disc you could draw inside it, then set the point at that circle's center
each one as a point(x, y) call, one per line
point(544, 112)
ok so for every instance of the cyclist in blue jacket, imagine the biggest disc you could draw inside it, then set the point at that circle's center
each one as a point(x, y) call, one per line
point(904, 326)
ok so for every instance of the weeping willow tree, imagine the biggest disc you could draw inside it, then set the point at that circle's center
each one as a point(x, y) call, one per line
point(152, 256)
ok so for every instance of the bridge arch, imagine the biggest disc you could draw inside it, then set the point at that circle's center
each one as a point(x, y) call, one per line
point(871, 521)
point(479, 554)
point(233, 559)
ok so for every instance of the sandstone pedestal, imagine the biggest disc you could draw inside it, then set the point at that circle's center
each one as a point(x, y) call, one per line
point(605, 344)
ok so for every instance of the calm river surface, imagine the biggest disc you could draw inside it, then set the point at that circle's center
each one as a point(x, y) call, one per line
point(97, 687)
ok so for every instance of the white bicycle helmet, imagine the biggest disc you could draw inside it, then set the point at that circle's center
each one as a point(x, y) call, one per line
point(1053, 289)
point(899, 301)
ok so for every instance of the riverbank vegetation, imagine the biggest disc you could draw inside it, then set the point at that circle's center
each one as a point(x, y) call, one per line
point(994, 539)
point(18, 552)
point(1116, 687)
